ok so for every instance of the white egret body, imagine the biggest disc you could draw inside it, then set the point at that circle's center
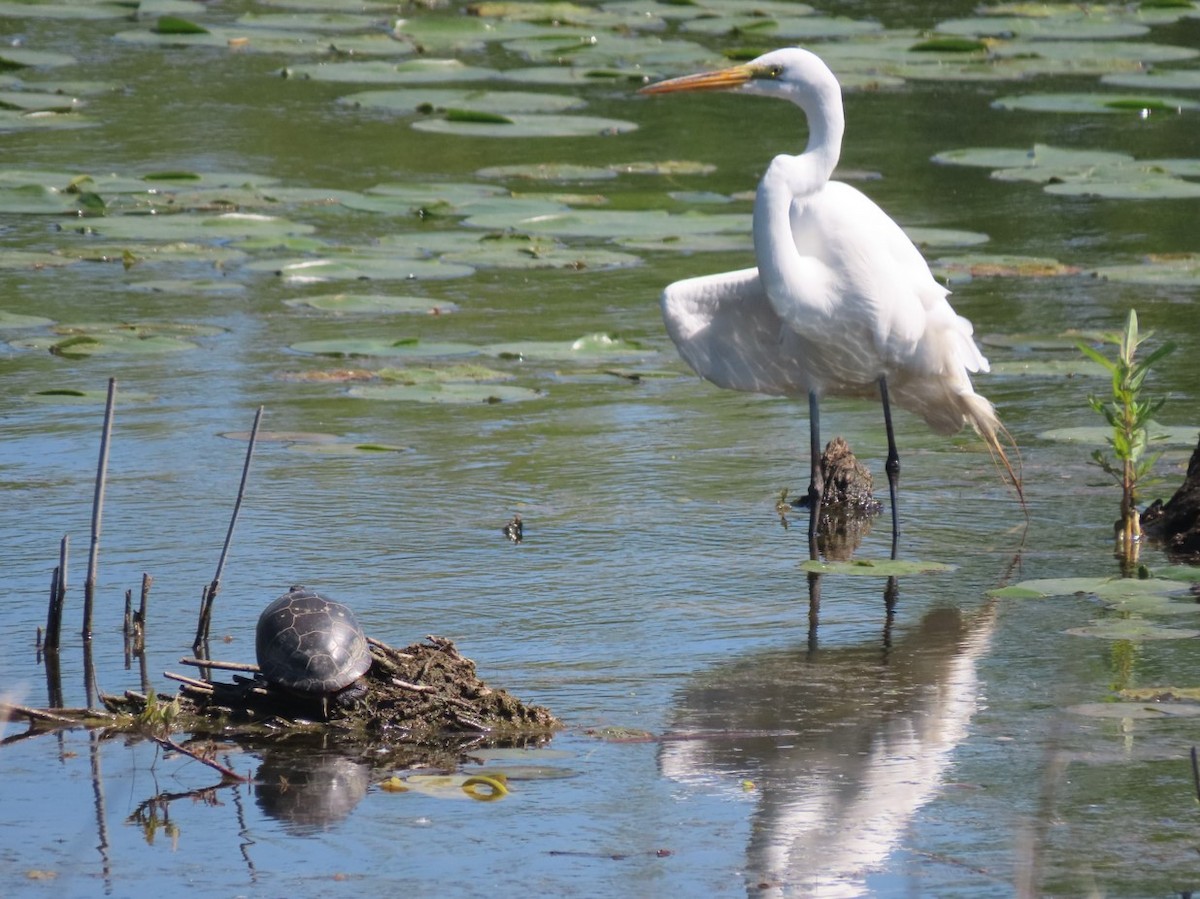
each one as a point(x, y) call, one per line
point(841, 302)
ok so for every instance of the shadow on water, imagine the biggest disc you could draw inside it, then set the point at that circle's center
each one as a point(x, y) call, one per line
point(841, 746)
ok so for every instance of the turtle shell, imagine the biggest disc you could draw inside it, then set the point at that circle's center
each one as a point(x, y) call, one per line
point(311, 644)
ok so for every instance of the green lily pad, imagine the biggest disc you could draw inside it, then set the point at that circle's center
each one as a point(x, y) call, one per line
point(1182, 270)
point(945, 237)
point(527, 126)
point(793, 28)
point(1157, 80)
point(548, 171)
point(1109, 589)
point(193, 287)
point(355, 303)
point(281, 436)
point(414, 71)
point(1048, 162)
point(25, 58)
point(83, 345)
point(1129, 104)
point(589, 348)
point(85, 11)
point(32, 260)
point(36, 199)
point(1134, 710)
point(1067, 340)
point(447, 393)
point(382, 346)
point(691, 243)
point(1098, 435)
point(1049, 368)
point(459, 372)
point(12, 321)
point(359, 267)
point(614, 223)
point(433, 101)
point(667, 167)
point(188, 226)
point(38, 101)
point(875, 567)
point(1131, 629)
point(325, 22)
point(1082, 24)
point(507, 250)
point(1179, 573)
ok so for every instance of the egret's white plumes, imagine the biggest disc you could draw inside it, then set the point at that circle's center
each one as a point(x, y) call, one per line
point(841, 302)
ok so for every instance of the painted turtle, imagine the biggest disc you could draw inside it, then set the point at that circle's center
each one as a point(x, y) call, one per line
point(310, 645)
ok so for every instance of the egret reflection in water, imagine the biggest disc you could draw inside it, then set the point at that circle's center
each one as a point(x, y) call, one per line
point(843, 746)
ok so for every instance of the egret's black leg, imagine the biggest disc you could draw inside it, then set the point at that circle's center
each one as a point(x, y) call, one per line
point(893, 464)
point(816, 483)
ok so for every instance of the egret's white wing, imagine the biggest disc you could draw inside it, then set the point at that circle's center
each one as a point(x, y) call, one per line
point(726, 329)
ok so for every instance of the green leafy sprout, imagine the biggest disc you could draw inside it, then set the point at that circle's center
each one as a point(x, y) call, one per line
point(1130, 415)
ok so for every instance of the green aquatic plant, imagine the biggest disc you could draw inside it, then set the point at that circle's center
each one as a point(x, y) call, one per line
point(1130, 415)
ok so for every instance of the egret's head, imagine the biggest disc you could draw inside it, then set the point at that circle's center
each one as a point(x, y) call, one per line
point(791, 73)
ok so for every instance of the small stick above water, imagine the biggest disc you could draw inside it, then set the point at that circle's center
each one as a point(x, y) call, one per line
point(210, 594)
point(89, 586)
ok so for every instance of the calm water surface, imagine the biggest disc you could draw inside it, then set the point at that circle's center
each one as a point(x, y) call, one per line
point(656, 588)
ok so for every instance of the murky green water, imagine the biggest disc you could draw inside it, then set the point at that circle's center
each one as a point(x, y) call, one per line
point(656, 589)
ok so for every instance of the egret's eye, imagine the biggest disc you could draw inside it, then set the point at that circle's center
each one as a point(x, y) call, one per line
point(774, 71)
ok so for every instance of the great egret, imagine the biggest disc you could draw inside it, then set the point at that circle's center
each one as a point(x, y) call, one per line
point(841, 302)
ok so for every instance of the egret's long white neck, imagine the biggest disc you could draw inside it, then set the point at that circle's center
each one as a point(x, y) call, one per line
point(793, 179)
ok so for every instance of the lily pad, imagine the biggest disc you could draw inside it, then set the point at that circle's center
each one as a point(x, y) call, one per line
point(356, 303)
point(431, 101)
point(1098, 435)
point(1130, 104)
point(1046, 160)
point(945, 237)
point(527, 126)
point(1182, 270)
point(1131, 629)
point(448, 393)
point(105, 343)
point(1110, 589)
point(188, 226)
point(1134, 710)
point(359, 267)
point(1049, 368)
point(548, 171)
point(614, 223)
point(874, 567)
point(1082, 24)
point(590, 348)
point(415, 71)
point(382, 346)
point(12, 321)
point(1157, 80)
point(281, 436)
